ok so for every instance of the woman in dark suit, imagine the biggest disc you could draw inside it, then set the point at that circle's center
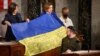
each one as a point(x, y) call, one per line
point(11, 17)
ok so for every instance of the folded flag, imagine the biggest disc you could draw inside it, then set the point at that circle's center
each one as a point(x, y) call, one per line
point(39, 35)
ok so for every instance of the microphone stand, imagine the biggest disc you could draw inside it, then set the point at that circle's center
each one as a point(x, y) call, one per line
point(88, 47)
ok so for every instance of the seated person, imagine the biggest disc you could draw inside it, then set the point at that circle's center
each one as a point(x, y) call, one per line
point(71, 42)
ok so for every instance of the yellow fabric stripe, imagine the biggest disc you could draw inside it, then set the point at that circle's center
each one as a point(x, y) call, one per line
point(43, 42)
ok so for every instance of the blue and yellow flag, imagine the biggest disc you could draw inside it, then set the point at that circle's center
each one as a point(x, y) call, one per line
point(39, 35)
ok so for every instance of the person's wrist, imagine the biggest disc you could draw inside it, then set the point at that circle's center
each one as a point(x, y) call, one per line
point(27, 20)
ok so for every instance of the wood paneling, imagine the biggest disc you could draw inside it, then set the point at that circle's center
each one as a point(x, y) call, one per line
point(53, 52)
point(15, 49)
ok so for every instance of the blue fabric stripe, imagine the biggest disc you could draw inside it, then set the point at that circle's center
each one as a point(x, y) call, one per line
point(40, 25)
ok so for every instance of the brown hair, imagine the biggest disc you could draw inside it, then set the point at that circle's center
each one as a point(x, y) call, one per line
point(46, 6)
point(12, 7)
point(79, 36)
point(64, 8)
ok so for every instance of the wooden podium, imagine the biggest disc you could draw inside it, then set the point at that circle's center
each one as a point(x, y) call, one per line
point(53, 52)
point(83, 53)
point(11, 49)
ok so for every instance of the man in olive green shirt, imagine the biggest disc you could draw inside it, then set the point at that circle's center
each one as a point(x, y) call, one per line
point(70, 43)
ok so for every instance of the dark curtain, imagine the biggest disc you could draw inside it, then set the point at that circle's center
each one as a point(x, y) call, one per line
point(35, 7)
point(84, 22)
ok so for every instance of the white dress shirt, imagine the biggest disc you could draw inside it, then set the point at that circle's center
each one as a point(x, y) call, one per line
point(67, 22)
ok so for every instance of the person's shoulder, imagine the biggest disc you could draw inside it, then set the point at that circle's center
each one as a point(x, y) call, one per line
point(7, 14)
point(18, 13)
point(69, 18)
point(65, 38)
point(75, 38)
point(61, 17)
point(43, 13)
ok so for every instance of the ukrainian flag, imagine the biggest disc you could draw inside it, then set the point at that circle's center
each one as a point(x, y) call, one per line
point(40, 35)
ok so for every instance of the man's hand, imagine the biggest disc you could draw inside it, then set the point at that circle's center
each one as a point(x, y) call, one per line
point(68, 51)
